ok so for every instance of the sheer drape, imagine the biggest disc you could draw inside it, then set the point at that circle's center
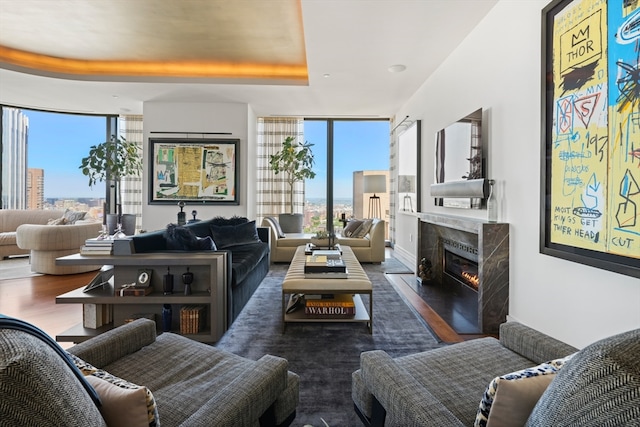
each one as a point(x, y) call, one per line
point(131, 186)
point(272, 191)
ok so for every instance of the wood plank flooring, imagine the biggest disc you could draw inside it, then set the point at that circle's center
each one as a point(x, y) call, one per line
point(33, 299)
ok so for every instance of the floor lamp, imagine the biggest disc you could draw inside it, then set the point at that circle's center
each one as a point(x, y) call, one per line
point(407, 185)
point(375, 184)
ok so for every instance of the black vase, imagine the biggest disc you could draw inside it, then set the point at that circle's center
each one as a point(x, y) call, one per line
point(166, 317)
point(167, 282)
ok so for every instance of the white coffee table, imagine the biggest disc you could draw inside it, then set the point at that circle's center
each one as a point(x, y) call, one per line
point(356, 283)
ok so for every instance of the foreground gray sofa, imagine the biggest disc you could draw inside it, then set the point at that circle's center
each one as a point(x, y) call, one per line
point(193, 384)
point(598, 386)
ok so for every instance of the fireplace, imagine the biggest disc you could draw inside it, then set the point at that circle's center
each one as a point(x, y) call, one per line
point(469, 286)
point(461, 263)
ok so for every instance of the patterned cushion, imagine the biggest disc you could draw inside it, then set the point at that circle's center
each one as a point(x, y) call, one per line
point(129, 389)
point(522, 388)
point(364, 228)
point(352, 226)
point(600, 387)
point(72, 216)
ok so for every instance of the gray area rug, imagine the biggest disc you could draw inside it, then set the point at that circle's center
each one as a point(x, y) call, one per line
point(325, 354)
point(16, 268)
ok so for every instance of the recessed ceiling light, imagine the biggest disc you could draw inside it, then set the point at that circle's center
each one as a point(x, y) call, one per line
point(398, 68)
point(326, 76)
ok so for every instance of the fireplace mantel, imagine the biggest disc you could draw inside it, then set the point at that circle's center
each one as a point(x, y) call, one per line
point(492, 243)
point(470, 225)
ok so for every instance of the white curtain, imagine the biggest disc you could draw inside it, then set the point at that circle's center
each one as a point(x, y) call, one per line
point(131, 186)
point(272, 190)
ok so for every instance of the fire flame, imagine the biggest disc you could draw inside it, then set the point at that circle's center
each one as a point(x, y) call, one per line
point(472, 279)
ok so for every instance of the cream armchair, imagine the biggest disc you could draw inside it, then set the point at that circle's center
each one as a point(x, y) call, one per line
point(48, 242)
point(369, 248)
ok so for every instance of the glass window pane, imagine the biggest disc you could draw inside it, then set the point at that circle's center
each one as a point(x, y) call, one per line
point(315, 207)
point(49, 174)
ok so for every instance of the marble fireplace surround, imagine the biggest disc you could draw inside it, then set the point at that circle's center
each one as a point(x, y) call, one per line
point(492, 243)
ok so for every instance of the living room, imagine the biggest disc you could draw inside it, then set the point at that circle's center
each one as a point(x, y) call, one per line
point(497, 66)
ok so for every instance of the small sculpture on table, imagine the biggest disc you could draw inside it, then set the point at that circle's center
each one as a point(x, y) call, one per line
point(187, 279)
point(194, 213)
point(182, 216)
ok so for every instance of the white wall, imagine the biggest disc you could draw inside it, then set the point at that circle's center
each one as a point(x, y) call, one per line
point(498, 68)
point(236, 118)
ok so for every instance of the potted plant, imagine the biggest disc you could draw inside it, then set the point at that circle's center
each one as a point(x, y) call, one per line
point(110, 161)
point(296, 161)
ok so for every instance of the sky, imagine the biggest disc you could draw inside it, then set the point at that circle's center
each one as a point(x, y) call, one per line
point(358, 146)
point(58, 142)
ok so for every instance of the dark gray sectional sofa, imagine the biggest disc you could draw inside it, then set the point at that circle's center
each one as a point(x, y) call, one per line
point(248, 247)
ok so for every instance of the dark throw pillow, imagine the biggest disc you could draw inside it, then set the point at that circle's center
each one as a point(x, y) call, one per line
point(181, 238)
point(222, 221)
point(230, 235)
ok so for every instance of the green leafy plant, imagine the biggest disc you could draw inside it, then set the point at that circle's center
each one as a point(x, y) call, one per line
point(321, 234)
point(296, 161)
point(112, 160)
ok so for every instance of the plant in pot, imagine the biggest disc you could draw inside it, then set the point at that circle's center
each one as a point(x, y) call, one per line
point(295, 160)
point(110, 161)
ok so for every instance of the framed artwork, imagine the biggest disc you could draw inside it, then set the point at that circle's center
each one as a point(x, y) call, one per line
point(203, 171)
point(590, 194)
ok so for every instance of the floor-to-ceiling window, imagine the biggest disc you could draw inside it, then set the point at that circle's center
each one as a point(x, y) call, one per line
point(346, 151)
point(41, 154)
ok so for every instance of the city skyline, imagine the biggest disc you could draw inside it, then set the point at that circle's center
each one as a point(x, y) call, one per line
point(57, 142)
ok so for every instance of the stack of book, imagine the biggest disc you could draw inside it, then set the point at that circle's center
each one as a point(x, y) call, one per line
point(325, 266)
point(192, 319)
point(96, 315)
point(97, 247)
point(332, 305)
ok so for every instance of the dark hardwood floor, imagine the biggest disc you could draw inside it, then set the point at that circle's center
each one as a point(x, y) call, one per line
point(33, 299)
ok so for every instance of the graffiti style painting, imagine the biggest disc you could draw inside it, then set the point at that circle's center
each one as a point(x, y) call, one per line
point(591, 139)
point(204, 171)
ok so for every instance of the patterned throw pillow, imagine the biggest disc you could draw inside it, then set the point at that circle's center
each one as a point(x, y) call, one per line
point(364, 229)
point(128, 392)
point(351, 227)
point(57, 221)
point(509, 399)
point(72, 216)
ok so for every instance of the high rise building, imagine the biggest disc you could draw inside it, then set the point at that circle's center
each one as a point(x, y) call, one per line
point(35, 188)
point(15, 132)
